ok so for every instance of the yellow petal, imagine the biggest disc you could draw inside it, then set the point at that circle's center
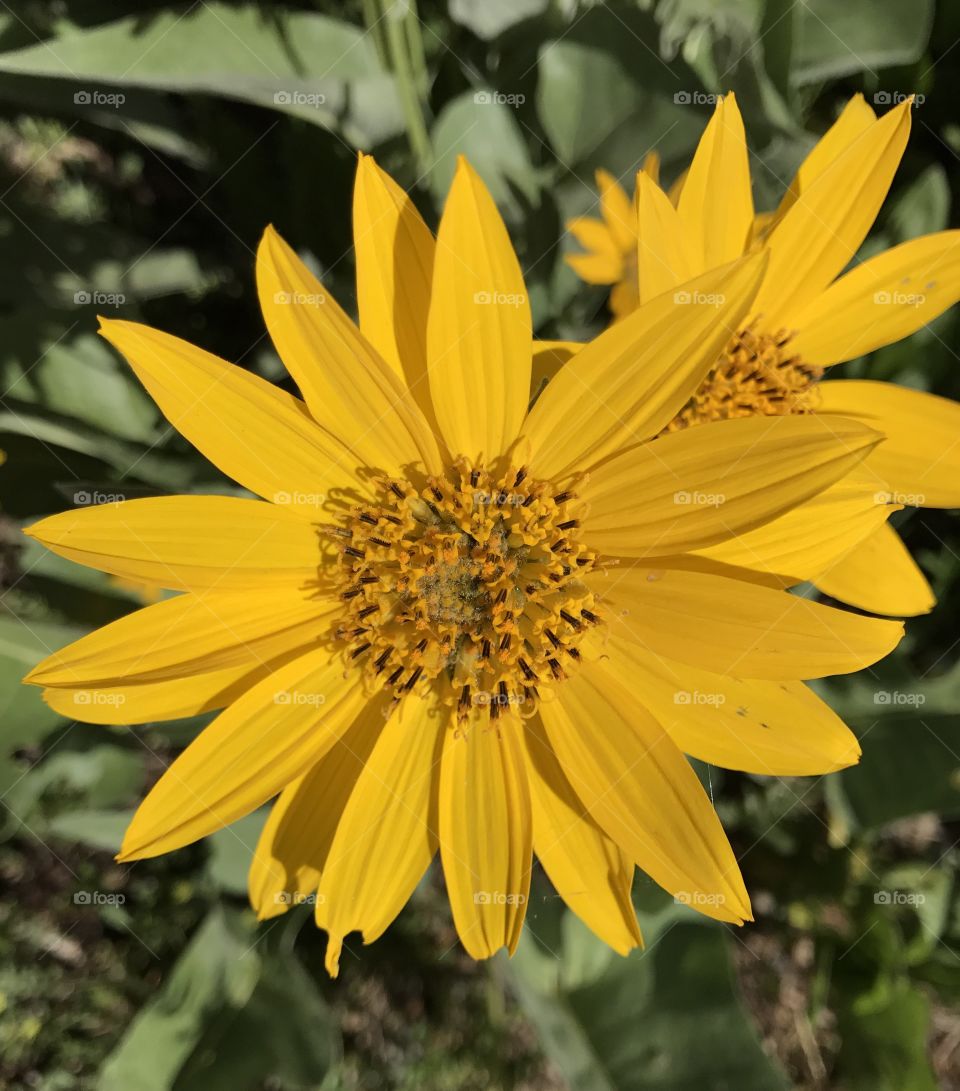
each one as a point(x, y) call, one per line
point(617, 211)
point(348, 388)
point(700, 486)
point(394, 253)
point(627, 384)
point(254, 432)
point(478, 332)
point(590, 872)
point(387, 835)
point(189, 634)
point(664, 257)
point(768, 728)
point(485, 831)
point(295, 841)
point(273, 734)
point(730, 626)
point(596, 237)
point(824, 228)
point(855, 118)
point(651, 166)
point(880, 576)
point(188, 543)
point(637, 786)
point(716, 203)
point(880, 301)
point(804, 542)
point(920, 458)
point(600, 268)
point(149, 702)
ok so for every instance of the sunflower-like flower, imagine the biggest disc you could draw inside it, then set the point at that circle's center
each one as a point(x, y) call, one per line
point(452, 621)
point(808, 315)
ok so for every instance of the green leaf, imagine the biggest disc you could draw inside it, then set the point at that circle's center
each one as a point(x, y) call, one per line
point(664, 1019)
point(923, 207)
point(836, 40)
point(485, 130)
point(298, 62)
point(493, 17)
point(218, 968)
point(232, 849)
point(910, 765)
point(884, 1040)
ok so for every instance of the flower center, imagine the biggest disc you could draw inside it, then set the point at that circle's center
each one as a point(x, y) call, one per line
point(468, 590)
point(755, 376)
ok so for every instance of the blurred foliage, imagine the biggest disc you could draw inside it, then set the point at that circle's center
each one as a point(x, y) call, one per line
point(143, 147)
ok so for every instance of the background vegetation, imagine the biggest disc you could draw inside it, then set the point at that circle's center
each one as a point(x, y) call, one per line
point(143, 147)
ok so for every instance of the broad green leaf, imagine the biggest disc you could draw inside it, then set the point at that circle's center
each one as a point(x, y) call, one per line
point(483, 128)
point(218, 968)
point(493, 17)
point(663, 1019)
point(835, 40)
point(232, 849)
point(298, 62)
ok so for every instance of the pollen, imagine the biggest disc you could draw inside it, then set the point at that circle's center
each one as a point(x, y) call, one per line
point(756, 376)
point(468, 590)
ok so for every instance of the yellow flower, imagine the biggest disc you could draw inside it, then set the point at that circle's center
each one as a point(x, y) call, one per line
point(453, 622)
point(807, 316)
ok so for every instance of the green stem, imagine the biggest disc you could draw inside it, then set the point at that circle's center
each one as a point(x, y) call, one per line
point(411, 76)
